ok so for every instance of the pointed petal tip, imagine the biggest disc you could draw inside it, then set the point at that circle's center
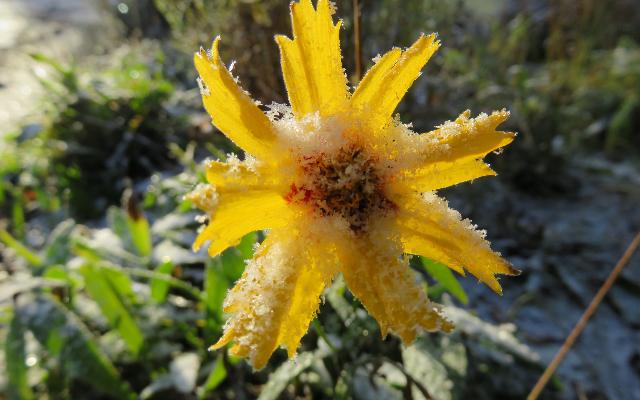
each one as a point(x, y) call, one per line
point(513, 271)
point(216, 42)
point(291, 353)
point(282, 39)
point(447, 326)
point(497, 288)
point(224, 339)
point(216, 346)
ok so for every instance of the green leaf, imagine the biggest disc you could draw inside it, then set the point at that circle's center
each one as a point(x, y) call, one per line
point(233, 263)
point(245, 247)
point(146, 274)
point(109, 289)
point(160, 288)
point(445, 277)
point(67, 339)
point(31, 257)
point(140, 234)
point(57, 248)
point(17, 217)
point(17, 386)
point(215, 288)
point(216, 377)
point(118, 223)
point(233, 259)
point(56, 272)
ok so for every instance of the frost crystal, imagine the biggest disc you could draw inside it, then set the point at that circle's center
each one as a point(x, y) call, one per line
point(204, 90)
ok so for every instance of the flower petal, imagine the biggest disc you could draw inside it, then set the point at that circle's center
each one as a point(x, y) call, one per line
point(386, 83)
point(230, 107)
point(465, 138)
point(311, 62)
point(238, 200)
point(276, 298)
point(452, 153)
point(313, 277)
point(430, 228)
point(238, 176)
point(387, 287)
point(234, 214)
point(439, 175)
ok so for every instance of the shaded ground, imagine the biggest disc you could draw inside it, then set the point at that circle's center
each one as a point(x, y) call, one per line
point(566, 245)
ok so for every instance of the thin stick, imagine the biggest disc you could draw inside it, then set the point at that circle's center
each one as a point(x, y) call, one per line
point(537, 389)
point(356, 39)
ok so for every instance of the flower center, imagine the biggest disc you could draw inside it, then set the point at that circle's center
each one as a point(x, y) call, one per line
point(345, 184)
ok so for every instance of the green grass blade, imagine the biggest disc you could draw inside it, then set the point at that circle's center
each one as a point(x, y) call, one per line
point(216, 377)
point(146, 274)
point(17, 384)
point(31, 257)
point(109, 289)
point(445, 277)
point(66, 338)
point(160, 288)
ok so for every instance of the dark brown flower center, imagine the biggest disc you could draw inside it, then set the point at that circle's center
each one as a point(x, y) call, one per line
point(346, 184)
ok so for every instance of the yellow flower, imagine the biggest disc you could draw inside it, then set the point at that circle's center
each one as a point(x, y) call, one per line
point(342, 186)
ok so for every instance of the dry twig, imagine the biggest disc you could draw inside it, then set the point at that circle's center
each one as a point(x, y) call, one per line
point(584, 319)
point(356, 40)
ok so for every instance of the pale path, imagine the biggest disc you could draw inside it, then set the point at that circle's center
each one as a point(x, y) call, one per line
point(62, 29)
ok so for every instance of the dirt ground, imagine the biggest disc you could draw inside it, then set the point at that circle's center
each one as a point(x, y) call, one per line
point(566, 244)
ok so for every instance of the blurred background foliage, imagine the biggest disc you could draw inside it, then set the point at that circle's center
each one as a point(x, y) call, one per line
point(100, 294)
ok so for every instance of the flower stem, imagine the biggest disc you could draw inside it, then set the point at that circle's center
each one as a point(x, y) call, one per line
point(356, 40)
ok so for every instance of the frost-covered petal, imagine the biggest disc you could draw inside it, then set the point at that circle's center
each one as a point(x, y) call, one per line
point(386, 83)
point(311, 61)
point(277, 297)
point(427, 226)
point(230, 107)
point(452, 153)
point(465, 138)
point(242, 197)
point(440, 175)
point(382, 280)
point(234, 175)
point(237, 201)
